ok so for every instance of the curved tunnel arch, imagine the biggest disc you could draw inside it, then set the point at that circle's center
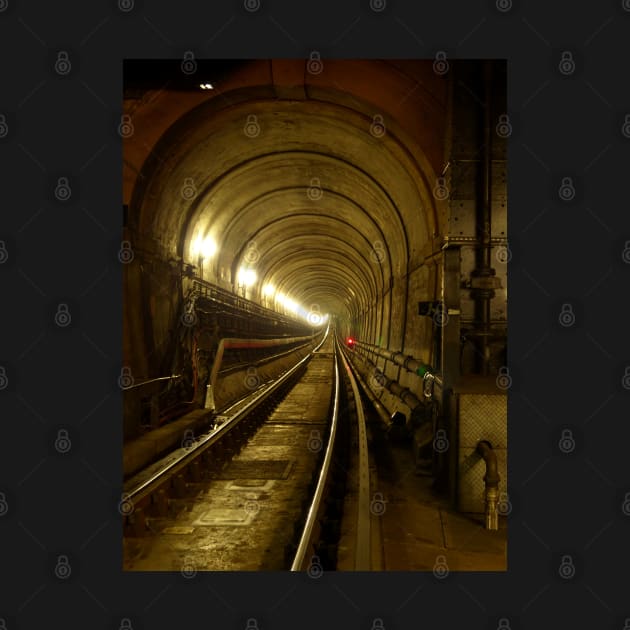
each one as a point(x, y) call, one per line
point(357, 261)
point(382, 184)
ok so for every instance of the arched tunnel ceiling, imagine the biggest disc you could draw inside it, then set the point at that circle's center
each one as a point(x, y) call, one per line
point(300, 190)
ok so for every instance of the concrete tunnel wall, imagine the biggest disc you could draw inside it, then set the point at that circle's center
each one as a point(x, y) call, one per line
point(288, 174)
point(327, 209)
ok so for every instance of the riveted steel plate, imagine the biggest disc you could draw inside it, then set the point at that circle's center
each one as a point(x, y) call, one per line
point(257, 469)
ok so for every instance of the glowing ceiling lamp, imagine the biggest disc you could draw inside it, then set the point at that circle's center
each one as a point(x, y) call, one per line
point(246, 276)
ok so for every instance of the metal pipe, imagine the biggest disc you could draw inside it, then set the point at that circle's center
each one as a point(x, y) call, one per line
point(491, 479)
point(154, 380)
point(410, 363)
point(485, 270)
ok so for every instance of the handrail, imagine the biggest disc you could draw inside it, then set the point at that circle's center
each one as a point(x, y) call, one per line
point(307, 532)
point(236, 342)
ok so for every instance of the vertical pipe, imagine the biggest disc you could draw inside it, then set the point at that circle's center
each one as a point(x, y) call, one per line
point(482, 277)
point(486, 234)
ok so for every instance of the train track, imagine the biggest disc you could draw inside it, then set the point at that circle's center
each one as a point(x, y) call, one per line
point(215, 504)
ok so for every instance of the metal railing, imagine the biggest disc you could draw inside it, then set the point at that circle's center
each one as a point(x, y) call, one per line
point(139, 487)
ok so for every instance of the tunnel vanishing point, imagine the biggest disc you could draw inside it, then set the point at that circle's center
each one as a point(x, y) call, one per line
point(265, 199)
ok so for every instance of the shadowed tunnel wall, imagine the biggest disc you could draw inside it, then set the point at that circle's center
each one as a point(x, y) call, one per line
point(321, 184)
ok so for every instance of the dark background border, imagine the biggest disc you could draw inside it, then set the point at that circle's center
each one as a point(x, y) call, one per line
point(564, 504)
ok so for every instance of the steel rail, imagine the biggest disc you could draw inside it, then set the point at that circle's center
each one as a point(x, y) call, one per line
point(362, 552)
point(136, 491)
point(307, 532)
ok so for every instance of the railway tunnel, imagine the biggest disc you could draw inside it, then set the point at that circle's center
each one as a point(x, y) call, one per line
point(268, 202)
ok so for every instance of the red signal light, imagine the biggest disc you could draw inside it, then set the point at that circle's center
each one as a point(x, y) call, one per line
point(350, 341)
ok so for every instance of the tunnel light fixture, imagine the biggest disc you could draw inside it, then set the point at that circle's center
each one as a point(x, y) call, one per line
point(204, 247)
point(268, 289)
point(206, 86)
point(246, 277)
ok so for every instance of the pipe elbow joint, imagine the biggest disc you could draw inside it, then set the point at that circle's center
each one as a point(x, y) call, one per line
point(492, 477)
